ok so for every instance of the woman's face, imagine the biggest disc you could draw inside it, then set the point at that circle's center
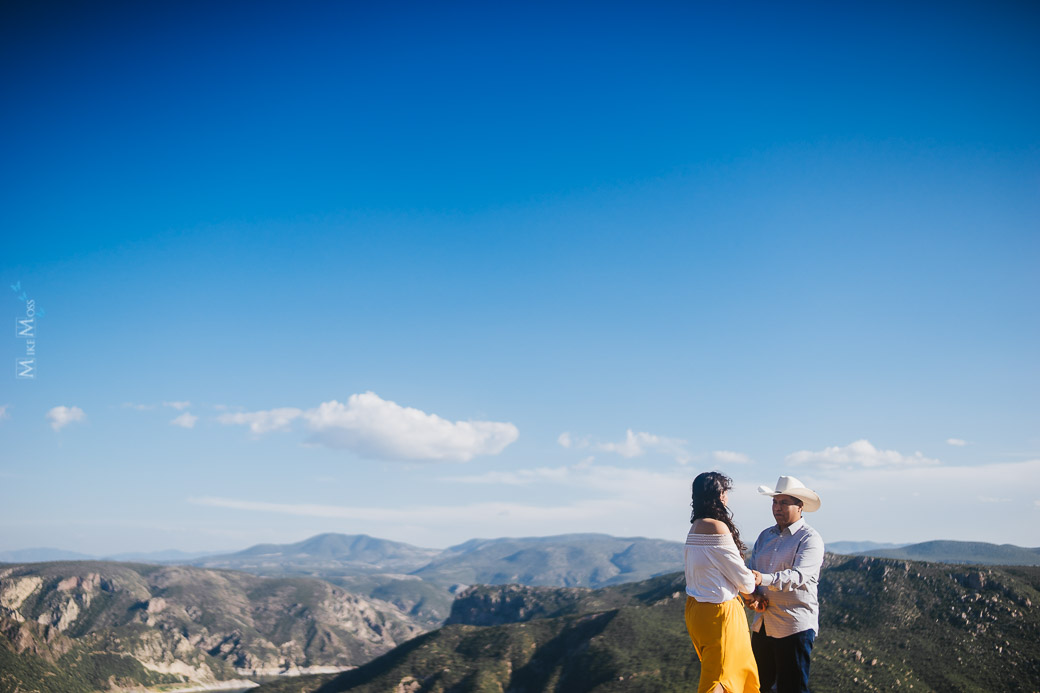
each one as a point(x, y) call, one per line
point(725, 498)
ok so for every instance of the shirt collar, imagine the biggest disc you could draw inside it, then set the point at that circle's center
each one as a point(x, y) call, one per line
point(792, 528)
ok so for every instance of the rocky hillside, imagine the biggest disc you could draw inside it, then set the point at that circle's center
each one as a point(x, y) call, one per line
point(88, 625)
point(886, 625)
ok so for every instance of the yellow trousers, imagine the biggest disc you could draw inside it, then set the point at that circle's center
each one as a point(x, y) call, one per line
point(720, 636)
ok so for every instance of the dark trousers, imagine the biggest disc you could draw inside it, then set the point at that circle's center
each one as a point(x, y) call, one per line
point(783, 661)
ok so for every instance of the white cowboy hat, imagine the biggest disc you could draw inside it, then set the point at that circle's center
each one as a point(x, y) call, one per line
point(789, 486)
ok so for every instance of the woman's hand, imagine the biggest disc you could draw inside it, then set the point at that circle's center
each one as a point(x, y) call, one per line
point(754, 601)
point(758, 577)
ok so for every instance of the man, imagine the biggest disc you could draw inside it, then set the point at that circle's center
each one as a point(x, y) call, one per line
point(789, 555)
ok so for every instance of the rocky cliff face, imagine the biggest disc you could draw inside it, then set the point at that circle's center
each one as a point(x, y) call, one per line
point(190, 624)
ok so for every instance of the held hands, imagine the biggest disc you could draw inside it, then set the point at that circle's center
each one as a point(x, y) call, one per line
point(755, 601)
point(758, 577)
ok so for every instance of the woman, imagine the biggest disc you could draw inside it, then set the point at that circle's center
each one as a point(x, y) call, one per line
point(715, 577)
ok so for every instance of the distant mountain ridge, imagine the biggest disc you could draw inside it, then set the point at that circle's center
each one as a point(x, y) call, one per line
point(856, 548)
point(470, 562)
point(422, 582)
point(963, 552)
point(46, 554)
point(566, 560)
point(353, 553)
point(590, 560)
point(41, 554)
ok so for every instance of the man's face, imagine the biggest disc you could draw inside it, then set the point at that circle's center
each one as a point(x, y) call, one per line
point(786, 510)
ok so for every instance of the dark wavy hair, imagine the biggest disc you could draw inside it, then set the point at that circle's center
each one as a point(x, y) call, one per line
point(707, 503)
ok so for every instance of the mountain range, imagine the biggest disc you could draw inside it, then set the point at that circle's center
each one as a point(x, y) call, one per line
point(339, 553)
point(336, 601)
point(590, 560)
point(422, 582)
point(856, 548)
point(332, 601)
point(964, 552)
point(45, 554)
point(959, 552)
point(886, 625)
point(358, 554)
point(572, 560)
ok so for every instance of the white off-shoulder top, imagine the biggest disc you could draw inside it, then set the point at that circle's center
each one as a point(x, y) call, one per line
point(715, 572)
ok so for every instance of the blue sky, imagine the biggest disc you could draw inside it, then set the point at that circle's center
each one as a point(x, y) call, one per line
point(438, 272)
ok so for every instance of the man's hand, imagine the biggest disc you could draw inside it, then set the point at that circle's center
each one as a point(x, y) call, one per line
point(755, 601)
point(758, 577)
point(760, 603)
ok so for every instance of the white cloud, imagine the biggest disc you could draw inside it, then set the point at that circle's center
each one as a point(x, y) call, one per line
point(3, 412)
point(628, 503)
point(612, 500)
point(619, 481)
point(634, 444)
point(62, 416)
point(177, 405)
point(381, 429)
point(138, 407)
point(858, 454)
point(904, 504)
point(957, 442)
point(185, 420)
point(638, 444)
point(374, 427)
point(566, 440)
point(520, 477)
point(263, 421)
point(519, 515)
point(730, 457)
point(925, 502)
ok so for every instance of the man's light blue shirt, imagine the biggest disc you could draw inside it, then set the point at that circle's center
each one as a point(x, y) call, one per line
point(790, 563)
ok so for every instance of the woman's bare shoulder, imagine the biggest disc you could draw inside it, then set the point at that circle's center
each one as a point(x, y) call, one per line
point(704, 525)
